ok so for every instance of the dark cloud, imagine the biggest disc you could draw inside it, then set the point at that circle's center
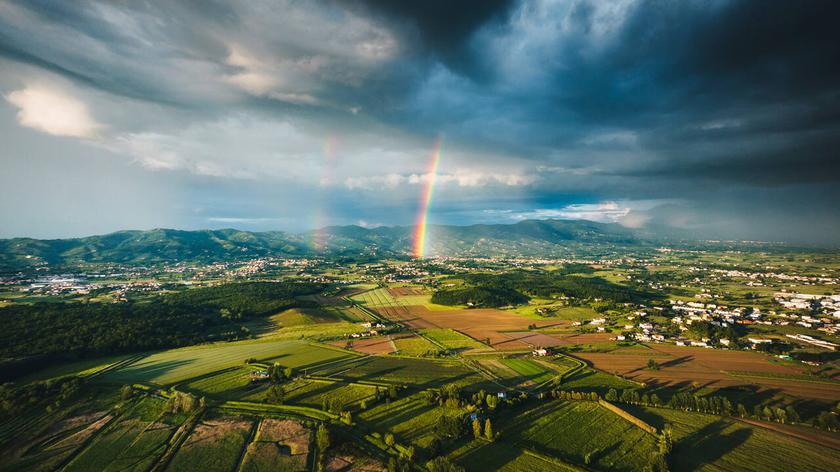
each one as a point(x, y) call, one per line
point(719, 110)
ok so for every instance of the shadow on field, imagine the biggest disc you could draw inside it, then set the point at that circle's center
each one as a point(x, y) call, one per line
point(147, 373)
point(707, 445)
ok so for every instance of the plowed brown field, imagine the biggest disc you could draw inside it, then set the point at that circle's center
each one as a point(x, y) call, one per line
point(713, 368)
point(480, 324)
point(377, 345)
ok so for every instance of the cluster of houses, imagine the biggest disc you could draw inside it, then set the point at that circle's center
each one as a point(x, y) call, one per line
point(374, 329)
point(823, 304)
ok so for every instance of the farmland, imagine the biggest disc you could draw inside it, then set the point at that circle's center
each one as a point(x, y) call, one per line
point(216, 444)
point(177, 365)
point(707, 442)
point(706, 368)
point(574, 430)
point(390, 376)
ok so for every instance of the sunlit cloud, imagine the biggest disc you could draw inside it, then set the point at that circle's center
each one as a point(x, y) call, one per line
point(53, 111)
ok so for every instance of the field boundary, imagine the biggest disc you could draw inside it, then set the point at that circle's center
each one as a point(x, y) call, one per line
point(627, 416)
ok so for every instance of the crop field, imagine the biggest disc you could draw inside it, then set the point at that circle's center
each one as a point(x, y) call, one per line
point(226, 385)
point(590, 380)
point(317, 332)
point(214, 445)
point(706, 442)
point(710, 368)
point(480, 324)
point(314, 393)
point(134, 442)
point(532, 372)
point(405, 291)
point(279, 445)
point(302, 316)
point(54, 445)
point(177, 365)
point(504, 457)
point(411, 419)
point(413, 345)
point(571, 430)
point(374, 345)
point(454, 340)
point(425, 373)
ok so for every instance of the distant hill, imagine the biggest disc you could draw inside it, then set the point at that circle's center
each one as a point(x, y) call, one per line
point(530, 237)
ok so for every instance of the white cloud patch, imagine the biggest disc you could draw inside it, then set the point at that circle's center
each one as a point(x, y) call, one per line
point(53, 111)
point(461, 178)
point(604, 212)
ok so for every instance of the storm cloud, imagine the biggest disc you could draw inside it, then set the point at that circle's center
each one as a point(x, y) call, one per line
point(720, 118)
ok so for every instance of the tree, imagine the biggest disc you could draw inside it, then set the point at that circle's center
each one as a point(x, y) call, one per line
point(792, 415)
point(449, 427)
point(389, 440)
point(488, 429)
point(666, 440)
point(289, 372)
point(275, 395)
point(322, 438)
point(654, 399)
point(442, 464)
point(652, 365)
point(742, 411)
point(476, 425)
point(126, 392)
point(492, 401)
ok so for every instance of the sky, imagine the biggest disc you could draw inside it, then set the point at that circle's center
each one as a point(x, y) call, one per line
point(717, 118)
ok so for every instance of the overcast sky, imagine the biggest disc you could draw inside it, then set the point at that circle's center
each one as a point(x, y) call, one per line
point(717, 117)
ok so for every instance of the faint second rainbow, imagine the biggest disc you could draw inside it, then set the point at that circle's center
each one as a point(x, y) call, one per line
point(420, 230)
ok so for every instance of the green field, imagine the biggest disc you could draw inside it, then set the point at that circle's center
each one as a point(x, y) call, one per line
point(177, 365)
point(215, 444)
point(424, 373)
point(230, 384)
point(313, 393)
point(414, 346)
point(134, 442)
point(504, 457)
point(529, 370)
point(410, 419)
point(573, 430)
point(706, 442)
point(590, 380)
point(452, 339)
point(302, 316)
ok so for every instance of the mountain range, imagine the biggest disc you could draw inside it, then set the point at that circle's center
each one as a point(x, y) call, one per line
point(529, 238)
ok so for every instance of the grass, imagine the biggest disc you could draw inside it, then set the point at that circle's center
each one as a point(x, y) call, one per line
point(227, 385)
point(177, 365)
point(301, 317)
point(573, 430)
point(133, 443)
point(529, 369)
point(706, 442)
point(504, 457)
point(313, 393)
point(414, 346)
point(452, 339)
point(85, 367)
point(411, 419)
point(590, 380)
point(424, 373)
point(214, 445)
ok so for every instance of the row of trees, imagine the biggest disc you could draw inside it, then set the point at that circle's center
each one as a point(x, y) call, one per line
point(52, 394)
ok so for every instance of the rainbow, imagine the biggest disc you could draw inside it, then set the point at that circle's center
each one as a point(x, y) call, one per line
point(420, 229)
point(320, 217)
